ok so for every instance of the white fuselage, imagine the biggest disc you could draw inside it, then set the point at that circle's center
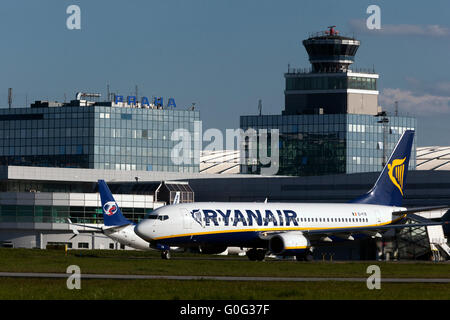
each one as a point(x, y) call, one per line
point(237, 224)
point(126, 236)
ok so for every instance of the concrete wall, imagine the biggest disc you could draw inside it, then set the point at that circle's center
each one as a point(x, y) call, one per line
point(360, 103)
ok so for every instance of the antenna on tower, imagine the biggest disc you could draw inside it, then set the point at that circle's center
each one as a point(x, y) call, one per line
point(108, 93)
point(260, 106)
point(136, 92)
point(396, 108)
point(10, 98)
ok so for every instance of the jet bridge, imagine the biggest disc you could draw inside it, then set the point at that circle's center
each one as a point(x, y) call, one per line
point(422, 242)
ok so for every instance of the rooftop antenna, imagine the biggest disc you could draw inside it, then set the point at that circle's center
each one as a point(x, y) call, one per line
point(396, 108)
point(10, 97)
point(136, 91)
point(260, 106)
point(108, 93)
point(332, 32)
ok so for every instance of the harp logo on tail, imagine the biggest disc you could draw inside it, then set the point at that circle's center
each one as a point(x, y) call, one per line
point(396, 173)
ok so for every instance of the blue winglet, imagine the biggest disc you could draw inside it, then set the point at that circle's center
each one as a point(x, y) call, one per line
point(388, 189)
point(112, 215)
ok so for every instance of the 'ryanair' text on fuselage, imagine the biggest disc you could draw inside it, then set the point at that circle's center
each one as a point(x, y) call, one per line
point(245, 217)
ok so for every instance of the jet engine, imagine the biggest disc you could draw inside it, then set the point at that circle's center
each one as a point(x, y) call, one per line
point(289, 243)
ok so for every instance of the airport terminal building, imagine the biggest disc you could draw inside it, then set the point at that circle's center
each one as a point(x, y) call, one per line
point(334, 140)
point(96, 135)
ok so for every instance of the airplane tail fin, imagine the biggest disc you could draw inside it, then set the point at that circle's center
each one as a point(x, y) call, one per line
point(112, 215)
point(388, 189)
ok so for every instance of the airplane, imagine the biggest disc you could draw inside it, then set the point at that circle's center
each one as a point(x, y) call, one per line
point(116, 226)
point(286, 229)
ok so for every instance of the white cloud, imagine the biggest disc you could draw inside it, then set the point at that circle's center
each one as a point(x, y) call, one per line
point(434, 30)
point(437, 88)
point(416, 104)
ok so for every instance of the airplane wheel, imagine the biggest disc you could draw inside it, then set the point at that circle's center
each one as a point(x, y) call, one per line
point(165, 255)
point(304, 257)
point(251, 254)
point(300, 257)
point(260, 255)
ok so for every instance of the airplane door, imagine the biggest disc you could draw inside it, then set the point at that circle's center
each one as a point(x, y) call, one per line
point(378, 217)
point(187, 218)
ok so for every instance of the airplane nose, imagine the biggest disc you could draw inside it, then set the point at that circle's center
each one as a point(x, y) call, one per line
point(142, 229)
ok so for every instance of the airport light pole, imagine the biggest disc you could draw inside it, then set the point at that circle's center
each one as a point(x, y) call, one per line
point(384, 120)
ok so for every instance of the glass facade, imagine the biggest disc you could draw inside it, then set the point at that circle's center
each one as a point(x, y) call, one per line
point(329, 144)
point(99, 137)
point(60, 214)
point(331, 82)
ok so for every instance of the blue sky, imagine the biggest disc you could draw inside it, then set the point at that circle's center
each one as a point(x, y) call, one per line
point(223, 55)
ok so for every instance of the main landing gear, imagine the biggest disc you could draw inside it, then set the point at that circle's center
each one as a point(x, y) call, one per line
point(165, 254)
point(306, 256)
point(256, 254)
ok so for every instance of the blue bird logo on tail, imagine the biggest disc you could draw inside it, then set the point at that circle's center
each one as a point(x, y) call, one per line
point(110, 208)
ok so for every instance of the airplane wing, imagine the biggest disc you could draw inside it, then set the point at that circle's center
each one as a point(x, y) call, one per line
point(83, 225)
point(421, 209)
point(370, 229)
point(346, 233)
point(113, 228)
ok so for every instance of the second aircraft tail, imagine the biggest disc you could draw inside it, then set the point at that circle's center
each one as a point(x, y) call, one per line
point(112, 215)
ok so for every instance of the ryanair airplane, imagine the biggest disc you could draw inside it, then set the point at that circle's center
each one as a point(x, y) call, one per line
point(284, 229)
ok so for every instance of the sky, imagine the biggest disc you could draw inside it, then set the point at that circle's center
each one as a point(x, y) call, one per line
point(223, 55)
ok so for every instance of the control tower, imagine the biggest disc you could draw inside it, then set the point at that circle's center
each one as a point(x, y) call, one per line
point(330, 86)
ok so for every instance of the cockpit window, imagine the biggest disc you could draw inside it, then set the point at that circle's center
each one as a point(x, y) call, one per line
point(162, 218)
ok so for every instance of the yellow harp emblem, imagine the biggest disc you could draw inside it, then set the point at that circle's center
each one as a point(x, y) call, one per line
point(396, 173)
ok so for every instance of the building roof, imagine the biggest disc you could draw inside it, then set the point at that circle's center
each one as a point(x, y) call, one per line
point(221, 161)
point(433, 158)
